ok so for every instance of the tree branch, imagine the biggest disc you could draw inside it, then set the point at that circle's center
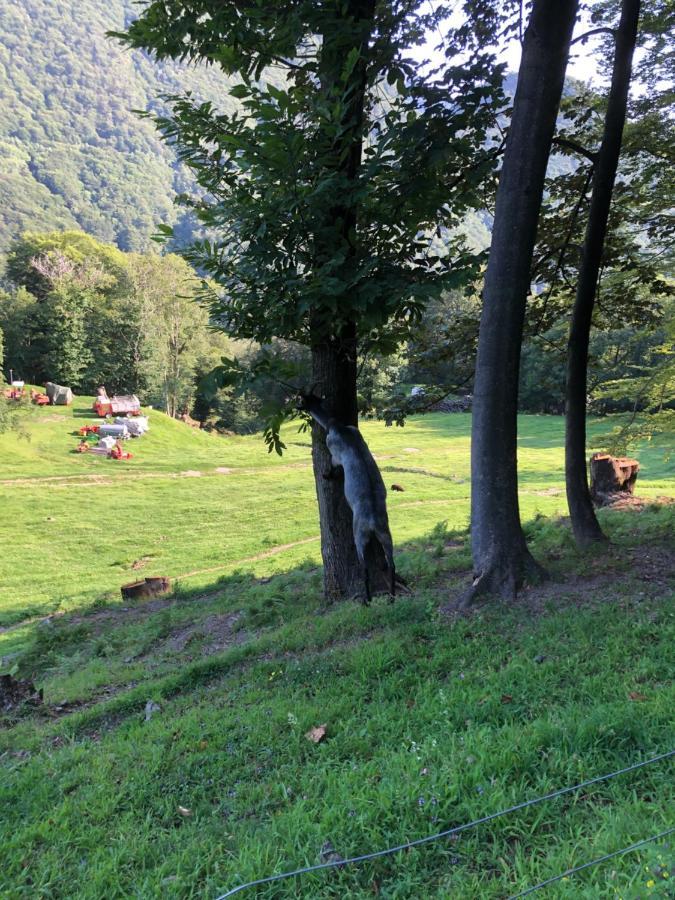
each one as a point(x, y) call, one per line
point(588, 34)
point(560, 265)
point(578, 148)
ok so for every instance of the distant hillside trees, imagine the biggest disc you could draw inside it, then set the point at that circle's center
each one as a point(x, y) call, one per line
point(83, 313)
point(72, 152)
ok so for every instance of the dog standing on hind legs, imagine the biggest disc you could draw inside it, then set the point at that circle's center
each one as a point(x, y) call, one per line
point(363, 487)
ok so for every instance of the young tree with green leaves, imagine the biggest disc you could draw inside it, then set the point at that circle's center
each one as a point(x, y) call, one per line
point(324, 192)
point(67, 287)
point(18, 308)
point(173, 333)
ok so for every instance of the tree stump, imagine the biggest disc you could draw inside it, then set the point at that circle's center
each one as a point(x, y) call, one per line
point(14, 693)
point(148, 587)
point(612, 477)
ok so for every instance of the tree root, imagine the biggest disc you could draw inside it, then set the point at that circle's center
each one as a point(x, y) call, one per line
point(500, 580)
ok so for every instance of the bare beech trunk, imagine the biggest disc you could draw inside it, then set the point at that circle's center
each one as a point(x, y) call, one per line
point(501, 559)
point(584, 522)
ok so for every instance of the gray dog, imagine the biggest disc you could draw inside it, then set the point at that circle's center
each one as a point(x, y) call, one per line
point(363, 486)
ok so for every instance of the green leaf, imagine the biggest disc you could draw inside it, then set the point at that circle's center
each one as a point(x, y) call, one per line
point(240, 91)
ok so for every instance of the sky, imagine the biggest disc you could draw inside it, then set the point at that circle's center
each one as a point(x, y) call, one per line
point(583, 59)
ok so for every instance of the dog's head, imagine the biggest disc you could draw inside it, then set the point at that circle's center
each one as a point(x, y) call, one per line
point(309, 403)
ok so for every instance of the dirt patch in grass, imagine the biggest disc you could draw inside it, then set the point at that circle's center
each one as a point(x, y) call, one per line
point(119, 614)
point(217, 631)
point(648, 571)
point(414, 470)
point(127, 614)
point(15, 692)
point(107, 692)
point(628, 501)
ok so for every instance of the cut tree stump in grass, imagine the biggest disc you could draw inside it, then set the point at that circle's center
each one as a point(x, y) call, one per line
point(14, 693)
point(612, 477)
point(148, 587)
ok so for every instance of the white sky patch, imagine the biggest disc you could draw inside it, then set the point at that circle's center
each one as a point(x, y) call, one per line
point(583, 63)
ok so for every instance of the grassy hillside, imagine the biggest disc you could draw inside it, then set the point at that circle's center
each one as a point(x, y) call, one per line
point(431, 720)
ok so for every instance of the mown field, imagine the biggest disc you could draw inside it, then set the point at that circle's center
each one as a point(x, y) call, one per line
point(431, 720)
point(76, 525)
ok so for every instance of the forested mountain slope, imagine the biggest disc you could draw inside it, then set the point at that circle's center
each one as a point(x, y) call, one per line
point(72, 152)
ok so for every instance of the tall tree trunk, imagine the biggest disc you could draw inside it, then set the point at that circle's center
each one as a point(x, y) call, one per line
point(334, 355)
point(584, 522)
point(501, 559)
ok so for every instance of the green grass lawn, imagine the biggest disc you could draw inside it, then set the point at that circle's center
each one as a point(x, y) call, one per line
point(431, 722)
point(76, 525)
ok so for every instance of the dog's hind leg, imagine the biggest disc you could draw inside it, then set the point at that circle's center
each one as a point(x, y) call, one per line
point(388, 547)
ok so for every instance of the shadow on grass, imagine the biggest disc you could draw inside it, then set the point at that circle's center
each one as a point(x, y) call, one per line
point(107, 658)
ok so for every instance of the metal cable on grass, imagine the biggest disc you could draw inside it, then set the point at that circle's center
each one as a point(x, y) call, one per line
point(441, 834)
point(593, 862)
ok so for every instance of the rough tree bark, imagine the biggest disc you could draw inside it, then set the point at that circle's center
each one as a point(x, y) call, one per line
point(501, 559)
point(334, 355)
point(584, 522)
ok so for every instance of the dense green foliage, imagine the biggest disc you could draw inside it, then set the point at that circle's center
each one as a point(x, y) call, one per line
point(336, 203)
point(648, 386)
point(83, 313)
point(72, 152)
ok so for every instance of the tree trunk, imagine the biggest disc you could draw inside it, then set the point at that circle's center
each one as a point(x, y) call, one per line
point(501, 559)
point(334, 375)
point(584, 522)
point(334, 368)
point(334, 355)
